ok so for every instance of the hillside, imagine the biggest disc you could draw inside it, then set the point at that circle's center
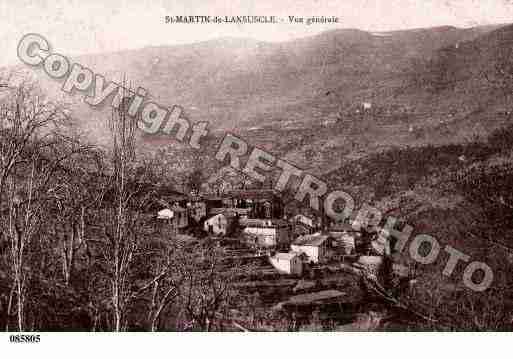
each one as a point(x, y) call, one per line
point(426, 87)
point(416, 123)
point(448, 95)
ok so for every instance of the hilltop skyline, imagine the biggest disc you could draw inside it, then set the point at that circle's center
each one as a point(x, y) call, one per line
point(65, 23)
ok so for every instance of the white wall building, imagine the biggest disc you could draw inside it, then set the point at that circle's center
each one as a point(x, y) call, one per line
point(176, 216)
point(314, 246)
point(165, 213)
point(287, 263)
point(217, 225)
point(270, 233)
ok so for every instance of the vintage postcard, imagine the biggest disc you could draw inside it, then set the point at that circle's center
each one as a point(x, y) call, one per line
point(271, 166)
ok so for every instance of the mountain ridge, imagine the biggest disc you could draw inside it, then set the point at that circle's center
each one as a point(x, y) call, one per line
point(238, 84)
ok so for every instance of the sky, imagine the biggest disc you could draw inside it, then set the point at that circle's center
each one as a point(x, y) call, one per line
point(96, 26)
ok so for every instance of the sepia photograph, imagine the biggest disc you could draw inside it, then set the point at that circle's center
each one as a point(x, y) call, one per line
point(274, 166)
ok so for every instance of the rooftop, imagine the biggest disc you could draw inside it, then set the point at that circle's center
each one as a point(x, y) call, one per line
point(222, 211)
point(301, 218)
point(215, 216)
point(263, 223)
point(314, 240)
point(286, 256)
point(177, 208)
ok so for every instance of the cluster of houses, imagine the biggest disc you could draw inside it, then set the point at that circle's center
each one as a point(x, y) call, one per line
point(218, 214)
point(314, 249)
point(258, 217)
point(341, 244)
point(259, 213)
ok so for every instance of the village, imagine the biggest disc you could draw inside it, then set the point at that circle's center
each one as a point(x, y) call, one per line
point(303, 264)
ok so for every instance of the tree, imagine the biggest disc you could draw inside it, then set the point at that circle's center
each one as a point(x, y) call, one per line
point(30, 153)
point(77, 190)
point(121, 226)
point(207, 288)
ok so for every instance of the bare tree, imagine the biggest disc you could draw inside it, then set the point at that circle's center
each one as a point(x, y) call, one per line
point(121, 218)
point(76, 192)
point(207, 285)
point(164, 284)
